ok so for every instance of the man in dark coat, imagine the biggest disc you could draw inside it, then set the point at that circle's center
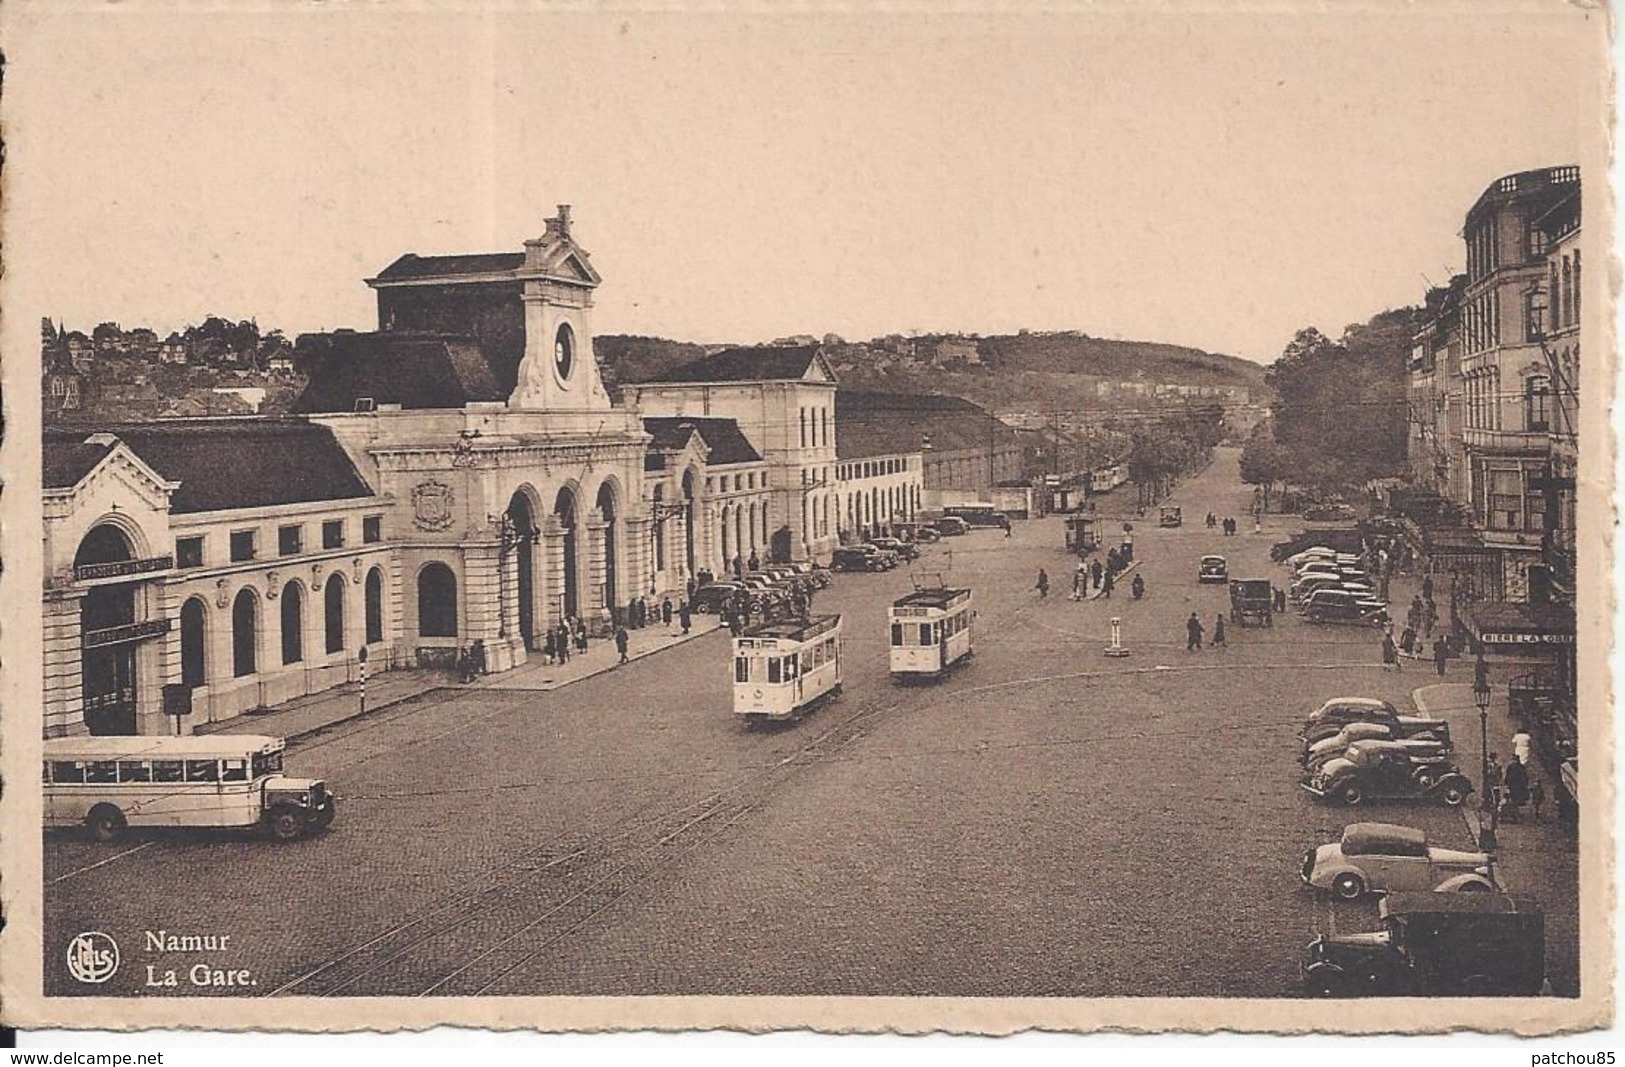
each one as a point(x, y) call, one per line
point(1096, 572)
point(685, 616)
point(665, 612)
point(1516, 782)
point(1193, 634)
point(620, 644)
point(1441, 653)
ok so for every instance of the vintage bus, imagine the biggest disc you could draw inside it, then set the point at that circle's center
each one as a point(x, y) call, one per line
point(931, 630)
point(782, 670)
point(107, 784)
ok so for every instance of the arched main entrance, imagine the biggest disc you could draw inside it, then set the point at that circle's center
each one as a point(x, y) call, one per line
point(606, 508)
point(564, 509)
point(108, 665)
point(524, 530)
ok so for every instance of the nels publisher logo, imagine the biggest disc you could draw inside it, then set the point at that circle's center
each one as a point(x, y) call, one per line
point(92, 957)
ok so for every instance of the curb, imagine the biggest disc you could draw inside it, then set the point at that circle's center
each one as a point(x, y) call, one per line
point(384, 705)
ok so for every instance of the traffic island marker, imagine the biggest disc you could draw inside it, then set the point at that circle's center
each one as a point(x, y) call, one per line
point(1116, 649)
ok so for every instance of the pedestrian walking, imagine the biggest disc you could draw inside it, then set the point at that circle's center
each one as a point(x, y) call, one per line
point(1280, 600)
point(1414, 615)
point(1218, 633)
point(1537, 796)
point(1441, 654)
point(581, 635)
point(1520, 745)
point(1390, 652)
point(1106, 586)
point(1006, 526)
point(1492, 783)
point(620, 644)
point(685, 616)
point(562, 642)
point(550, 647)
point(1096, 571)
point(1430, 617)
point(1193, 634)
point(1407, 640)
point(1427, 588)
point(1043, 584)
point(1137, 587)
point(1079, 579)
point(1517, 788)
point(755, 561)
point(667, 613)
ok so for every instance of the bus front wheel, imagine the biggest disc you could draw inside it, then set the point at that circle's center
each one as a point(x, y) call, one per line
point(285, 822)
point(106, 822)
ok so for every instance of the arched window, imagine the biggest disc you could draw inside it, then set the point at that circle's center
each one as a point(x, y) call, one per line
point(333, 613)
point(1574, 290)
point(193, 663)
point(437, 601)
point(244, 634)
point(375, 606)
point(293, 623)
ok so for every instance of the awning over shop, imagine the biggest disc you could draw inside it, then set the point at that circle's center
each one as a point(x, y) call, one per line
point(1504, 626)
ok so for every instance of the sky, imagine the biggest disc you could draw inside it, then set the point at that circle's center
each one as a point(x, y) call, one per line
point(1179, 175)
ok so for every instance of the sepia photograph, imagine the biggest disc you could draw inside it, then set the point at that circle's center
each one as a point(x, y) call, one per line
point(967, 519)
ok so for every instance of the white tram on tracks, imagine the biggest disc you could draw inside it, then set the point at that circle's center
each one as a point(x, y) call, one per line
point(782, 670)
point(931, 630)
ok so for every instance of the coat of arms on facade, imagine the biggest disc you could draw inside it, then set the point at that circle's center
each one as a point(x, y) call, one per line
point(431, 505)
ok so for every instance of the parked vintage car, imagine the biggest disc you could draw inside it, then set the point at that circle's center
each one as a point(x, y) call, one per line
point(1436, 944)
point(902, 549)
point(819, 576)
point(1330, 513)
point(1338, 712)
point(709, 599)
point(1212, 569)
point(1397, 729)
point(1429, 757)
point(1343, 606)
point(862, 558)
point(1379, 857)
point(951, 526)
point(1385, 770)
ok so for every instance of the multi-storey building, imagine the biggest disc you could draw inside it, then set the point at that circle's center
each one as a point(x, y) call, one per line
point(1506, 380)
point(782, 397)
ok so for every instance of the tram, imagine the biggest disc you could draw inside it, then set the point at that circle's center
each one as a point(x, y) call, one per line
point(931, 630)
point(782, 670)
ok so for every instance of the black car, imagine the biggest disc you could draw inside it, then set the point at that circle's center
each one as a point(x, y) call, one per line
point(1436, 944)
point(902, 549)
point(1387, 770)
point(709, 599)
point(862, 558)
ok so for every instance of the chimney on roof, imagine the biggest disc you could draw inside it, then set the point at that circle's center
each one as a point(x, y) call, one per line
point(560, 225)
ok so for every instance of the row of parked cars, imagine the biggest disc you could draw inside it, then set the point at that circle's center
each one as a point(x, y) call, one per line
point(1447, 929)
point(765, 592)
point(875, 554)
point(1333, 587)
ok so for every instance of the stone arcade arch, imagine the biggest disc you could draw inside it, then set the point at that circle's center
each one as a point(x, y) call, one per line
point(522, 515)
point(690, 560)
point(609, 510)
point(245, 633)
point(566, 512)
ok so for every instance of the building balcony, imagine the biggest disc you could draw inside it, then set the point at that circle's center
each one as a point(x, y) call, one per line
point(1514, 442)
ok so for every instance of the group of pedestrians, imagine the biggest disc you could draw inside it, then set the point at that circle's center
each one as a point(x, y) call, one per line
point(1194, 631)
point(1421, 618)
point(1227, 523)
point(1508, 791)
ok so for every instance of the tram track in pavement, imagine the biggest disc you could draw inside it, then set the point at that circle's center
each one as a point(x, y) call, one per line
point(474, 942)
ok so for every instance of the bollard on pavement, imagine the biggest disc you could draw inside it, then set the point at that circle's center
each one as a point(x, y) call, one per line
point(1116, 647)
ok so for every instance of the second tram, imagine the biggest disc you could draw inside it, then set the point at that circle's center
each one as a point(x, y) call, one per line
point(782, 670)
point(931, 630)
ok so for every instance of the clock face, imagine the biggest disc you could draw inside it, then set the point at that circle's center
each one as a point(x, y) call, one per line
point(564, 351)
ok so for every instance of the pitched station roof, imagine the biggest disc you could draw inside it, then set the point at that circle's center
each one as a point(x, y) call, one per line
point(726, 442)
point(413, 266)
point(763, 363)
point(887, 424)
point(221, 464)
point(414, 370)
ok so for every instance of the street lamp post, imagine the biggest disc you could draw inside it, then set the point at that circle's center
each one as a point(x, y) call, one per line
point(1481, 700)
